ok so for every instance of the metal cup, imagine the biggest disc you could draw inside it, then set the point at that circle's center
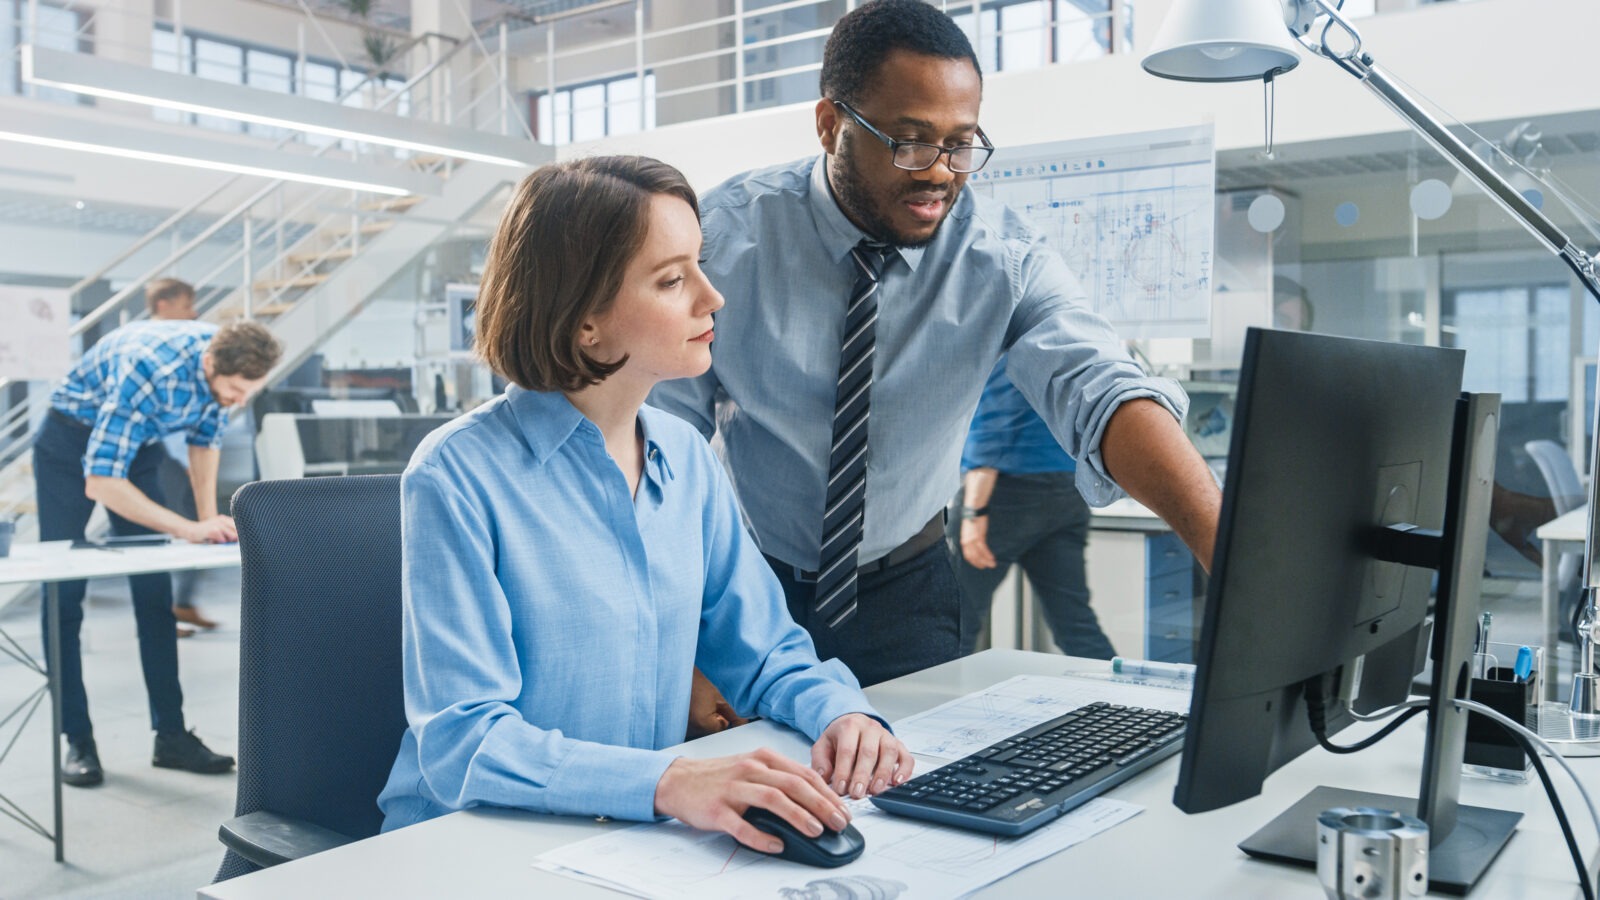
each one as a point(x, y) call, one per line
point(1371, 853)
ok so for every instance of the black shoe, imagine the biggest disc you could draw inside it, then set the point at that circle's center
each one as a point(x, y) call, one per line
point(183, 750)
point(82, 765)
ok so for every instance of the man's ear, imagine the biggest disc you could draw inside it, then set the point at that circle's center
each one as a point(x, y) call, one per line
point(828, 122)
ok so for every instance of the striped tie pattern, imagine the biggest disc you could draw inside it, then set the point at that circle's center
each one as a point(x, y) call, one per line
point(845, 506)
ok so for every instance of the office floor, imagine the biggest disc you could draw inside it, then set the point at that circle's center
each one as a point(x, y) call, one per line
point(151, 832)
point(146, 832)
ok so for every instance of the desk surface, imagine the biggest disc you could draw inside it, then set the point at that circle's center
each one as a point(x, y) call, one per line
point(58, 561)
point(1571, 525)
point(1159, 853)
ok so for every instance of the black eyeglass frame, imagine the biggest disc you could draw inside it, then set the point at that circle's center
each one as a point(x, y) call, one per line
point(947, 152)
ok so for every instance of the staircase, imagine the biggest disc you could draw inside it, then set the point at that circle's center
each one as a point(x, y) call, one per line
point(303, 260)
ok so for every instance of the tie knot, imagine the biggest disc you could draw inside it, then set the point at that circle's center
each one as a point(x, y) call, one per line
point(870, 256)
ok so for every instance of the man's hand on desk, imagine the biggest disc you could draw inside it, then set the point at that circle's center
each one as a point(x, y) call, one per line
point(858, 756)
point(709, 711)
point(214, 530)
point(712, 795)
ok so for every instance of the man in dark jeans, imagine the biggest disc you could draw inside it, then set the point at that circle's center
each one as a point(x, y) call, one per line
point(100, 443)
point(1019, 504)
point(169, 299)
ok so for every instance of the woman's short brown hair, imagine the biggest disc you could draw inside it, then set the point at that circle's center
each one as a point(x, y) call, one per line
point(558, 258)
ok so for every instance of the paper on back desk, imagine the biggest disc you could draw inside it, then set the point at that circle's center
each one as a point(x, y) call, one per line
point(968, 724)
point(904, 858)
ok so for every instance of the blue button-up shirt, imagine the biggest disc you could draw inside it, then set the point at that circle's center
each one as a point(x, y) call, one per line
point(552, 622)
point(777, 245)
point(138, 384)
point(1008, 435)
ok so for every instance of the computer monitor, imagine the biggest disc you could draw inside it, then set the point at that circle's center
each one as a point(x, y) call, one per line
point(1344, 452)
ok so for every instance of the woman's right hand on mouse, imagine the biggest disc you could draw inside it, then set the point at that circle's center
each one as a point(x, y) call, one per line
point(712, 795)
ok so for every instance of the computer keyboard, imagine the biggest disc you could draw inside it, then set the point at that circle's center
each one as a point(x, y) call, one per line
point(1015, 785)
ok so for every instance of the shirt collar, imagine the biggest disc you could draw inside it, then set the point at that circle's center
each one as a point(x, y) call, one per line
point(548, 420)
point(838, 233)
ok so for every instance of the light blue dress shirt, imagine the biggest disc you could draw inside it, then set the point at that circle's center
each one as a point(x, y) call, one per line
point(552, 622)
point(777, 245)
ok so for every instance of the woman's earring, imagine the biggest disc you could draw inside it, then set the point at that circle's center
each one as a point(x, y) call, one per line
point(593, 341)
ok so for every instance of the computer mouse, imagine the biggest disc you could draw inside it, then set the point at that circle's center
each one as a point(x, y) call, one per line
point(829, 849)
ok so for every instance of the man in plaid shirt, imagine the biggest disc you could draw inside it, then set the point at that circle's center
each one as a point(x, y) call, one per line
point(100, 443)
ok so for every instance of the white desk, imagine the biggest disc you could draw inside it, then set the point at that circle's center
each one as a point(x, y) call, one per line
point(1161, 853)
point(53, 562)
point(1564, 534)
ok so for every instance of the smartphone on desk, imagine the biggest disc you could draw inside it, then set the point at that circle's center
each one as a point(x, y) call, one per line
point(113, 542)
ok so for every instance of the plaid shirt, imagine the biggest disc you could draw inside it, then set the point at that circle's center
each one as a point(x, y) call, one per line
point(138, 384)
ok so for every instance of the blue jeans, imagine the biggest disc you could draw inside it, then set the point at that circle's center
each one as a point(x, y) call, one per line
point(908, 617)
point(63, 512)
point(1041, 522)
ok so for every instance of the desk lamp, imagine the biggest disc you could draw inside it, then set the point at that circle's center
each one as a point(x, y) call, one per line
point(1243, 40)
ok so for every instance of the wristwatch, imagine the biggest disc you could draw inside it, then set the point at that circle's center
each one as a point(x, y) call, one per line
point(969, 512)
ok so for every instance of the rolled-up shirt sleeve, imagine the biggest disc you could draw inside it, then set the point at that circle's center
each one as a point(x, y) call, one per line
point(1072, 367)
point(462, 678)
point(750, 647)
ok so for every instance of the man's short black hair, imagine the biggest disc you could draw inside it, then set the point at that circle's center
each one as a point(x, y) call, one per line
point(864, 39)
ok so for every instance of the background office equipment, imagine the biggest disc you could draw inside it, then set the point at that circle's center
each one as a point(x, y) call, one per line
point(34, 345)
point(1203, 42)
point(295, 446)
point(320, 699)
point(1132, 215)
point(1320, 581)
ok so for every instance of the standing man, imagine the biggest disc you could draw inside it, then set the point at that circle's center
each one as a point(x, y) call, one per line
point(100, 443)
point(1019, 504)
point(869, 295)
point(169, 299)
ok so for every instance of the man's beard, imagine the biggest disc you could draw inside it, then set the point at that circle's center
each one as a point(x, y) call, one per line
point(854, 196)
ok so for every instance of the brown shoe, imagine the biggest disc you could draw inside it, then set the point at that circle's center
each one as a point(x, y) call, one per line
point(185, 631)
point(192, 616)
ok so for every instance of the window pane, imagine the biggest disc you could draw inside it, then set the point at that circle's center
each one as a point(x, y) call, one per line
point(589, 112)
point(58, 31)
point(650, 100)
point(1081, 33)
point(1551, 380)
point(269, 71)
point(8, 49)
point(1492, 326)
point(546, 127)
point(163, 50)
point(563, 132)
point(219, 62)
point(1025, 43)
point(622, 116)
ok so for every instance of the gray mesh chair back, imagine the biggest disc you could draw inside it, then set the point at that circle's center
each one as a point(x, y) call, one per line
point(321, 711)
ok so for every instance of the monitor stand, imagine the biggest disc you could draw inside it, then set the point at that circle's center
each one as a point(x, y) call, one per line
point(1463, 840)
point(1454, 865)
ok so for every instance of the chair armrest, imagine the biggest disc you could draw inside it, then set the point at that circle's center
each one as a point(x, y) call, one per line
point(267, 839)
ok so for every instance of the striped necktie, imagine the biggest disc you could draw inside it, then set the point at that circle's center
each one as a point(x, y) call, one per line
point(845, 506)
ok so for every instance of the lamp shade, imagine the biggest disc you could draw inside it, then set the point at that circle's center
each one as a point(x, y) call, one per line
point(1222, 40)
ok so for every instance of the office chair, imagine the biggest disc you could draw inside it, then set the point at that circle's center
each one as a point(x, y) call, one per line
point(321, 711)
point(1567, 493)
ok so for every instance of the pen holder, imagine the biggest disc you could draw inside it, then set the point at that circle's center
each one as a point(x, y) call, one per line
point(1490, 751)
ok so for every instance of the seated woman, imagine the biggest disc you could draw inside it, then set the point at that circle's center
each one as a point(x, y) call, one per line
point(570, 555)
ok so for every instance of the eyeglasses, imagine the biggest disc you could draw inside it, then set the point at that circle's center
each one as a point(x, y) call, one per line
point(915, 156)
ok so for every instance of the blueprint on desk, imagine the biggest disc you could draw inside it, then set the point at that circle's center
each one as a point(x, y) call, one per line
point(1133, 215)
